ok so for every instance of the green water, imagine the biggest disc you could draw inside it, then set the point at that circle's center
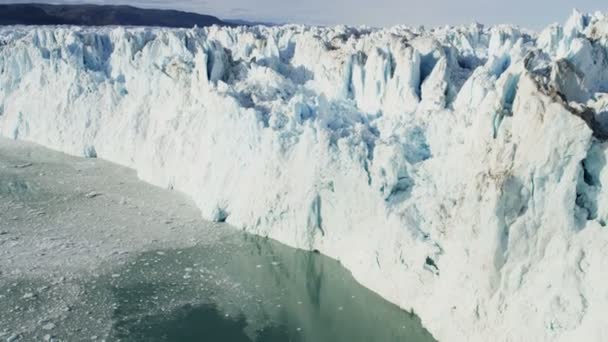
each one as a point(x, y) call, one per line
point(237, 288)
point(249, 289)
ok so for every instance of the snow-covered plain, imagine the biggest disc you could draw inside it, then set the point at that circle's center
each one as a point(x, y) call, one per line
point(457, 171)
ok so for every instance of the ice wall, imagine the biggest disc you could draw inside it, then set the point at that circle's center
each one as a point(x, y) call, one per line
point(457, 171)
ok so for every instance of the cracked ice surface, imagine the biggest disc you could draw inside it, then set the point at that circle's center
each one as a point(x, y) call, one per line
point(457, 171)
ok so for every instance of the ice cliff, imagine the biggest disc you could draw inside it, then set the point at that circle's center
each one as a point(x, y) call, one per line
point(457, 171)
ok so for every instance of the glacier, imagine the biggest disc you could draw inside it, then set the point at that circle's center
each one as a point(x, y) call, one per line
point(456, 171)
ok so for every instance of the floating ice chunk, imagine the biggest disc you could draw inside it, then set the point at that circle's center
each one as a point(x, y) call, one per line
point(29, 295)
point(92, 194)
point(48, 326)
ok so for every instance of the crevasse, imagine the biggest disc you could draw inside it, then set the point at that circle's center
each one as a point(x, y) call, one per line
point(457, 171)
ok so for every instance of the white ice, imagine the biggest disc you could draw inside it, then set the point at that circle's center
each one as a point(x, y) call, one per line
point(457, 171)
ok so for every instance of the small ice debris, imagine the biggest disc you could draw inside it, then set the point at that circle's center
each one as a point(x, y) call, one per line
point(340, 308)
point(160, 253)
point(48, 326)
point(187, 276)
point(299, 303)
point(298, 329)
point(188, 269)
point(258, 266)
point(47, 338)
point(92, 194)
point(23, 166)
point(115, 275)
point(275, 263)
point(29, 295)
point(12, 338)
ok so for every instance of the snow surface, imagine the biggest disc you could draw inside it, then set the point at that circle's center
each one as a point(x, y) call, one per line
point(457, 171)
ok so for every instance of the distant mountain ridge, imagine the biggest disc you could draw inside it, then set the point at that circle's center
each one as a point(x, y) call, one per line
point(240, 22)
point(101, 15)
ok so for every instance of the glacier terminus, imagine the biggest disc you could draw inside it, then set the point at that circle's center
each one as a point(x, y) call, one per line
point(458, 172)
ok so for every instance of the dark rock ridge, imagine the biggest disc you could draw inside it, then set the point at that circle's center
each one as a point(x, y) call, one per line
point(101, 15)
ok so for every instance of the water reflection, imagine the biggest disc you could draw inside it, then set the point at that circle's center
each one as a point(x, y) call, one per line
point(250, 289)
point(198, 323)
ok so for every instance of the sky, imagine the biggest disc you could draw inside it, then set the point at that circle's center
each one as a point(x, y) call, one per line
point(533, 14)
